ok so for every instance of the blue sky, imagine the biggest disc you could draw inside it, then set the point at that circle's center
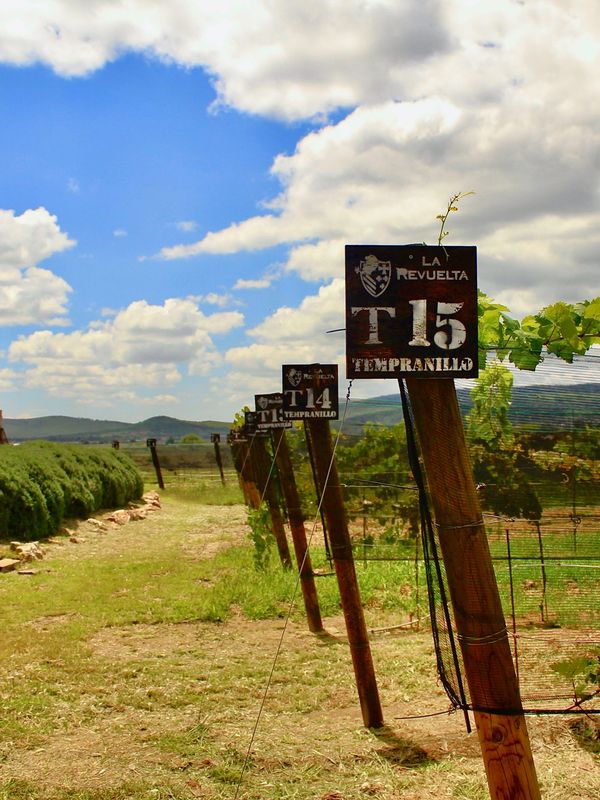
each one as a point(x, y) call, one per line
point(177, 181)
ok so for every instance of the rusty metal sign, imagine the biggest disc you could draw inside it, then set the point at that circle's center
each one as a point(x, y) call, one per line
point(411, 311)
point(310, 391)
point(269, 411)
point(251, 424)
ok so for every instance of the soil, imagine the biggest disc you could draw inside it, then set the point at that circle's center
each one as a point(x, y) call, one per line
point(123, 741)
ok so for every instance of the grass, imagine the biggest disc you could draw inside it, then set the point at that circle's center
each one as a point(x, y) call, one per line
point(133, 666)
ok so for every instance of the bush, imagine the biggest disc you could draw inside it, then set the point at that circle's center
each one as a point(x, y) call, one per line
point(41, 483)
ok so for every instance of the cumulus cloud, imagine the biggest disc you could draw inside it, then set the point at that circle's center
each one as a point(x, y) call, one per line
point(277, 58)
point(253, 283)
point(290, 335)
point(186, 225)
point(28, 293)
point(8, 378)
point(143, 346)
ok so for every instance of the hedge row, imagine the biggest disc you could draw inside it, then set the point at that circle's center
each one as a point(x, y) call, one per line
point(42, 483)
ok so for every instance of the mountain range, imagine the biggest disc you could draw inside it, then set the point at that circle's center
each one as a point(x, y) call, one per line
point(539, 407)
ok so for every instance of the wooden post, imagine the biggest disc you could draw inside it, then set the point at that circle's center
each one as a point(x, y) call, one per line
point(3, 436)
point(268, 492)
point(294, 510)
point(248, 473)
point(478, 614)
point(216, 438)
point(341, 546)
point(151, 443)
point(236, 455)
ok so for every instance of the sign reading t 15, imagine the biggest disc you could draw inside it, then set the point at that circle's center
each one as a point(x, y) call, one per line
point(411, 311)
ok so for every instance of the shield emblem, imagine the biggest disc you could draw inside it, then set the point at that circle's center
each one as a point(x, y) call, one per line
point(262, 402)
point(375, 275)
point(294, 377)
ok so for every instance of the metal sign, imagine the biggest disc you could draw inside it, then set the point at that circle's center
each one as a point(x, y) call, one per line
point(411, 311)
point(251, 427)
point(269, 411)
point(310, 391)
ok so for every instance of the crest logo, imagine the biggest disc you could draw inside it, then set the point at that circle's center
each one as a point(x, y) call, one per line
point(294, 377)
point(262, 402)
point(375, 275)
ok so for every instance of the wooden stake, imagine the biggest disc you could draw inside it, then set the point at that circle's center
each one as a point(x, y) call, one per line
point(3, 436)
point(219, 460)
point(248, 472)
point(341, 546)
point(476, 603)
point(267, 489)
point(294, 510)
point(151, 443)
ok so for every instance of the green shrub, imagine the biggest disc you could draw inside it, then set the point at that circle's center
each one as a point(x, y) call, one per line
point(41, 483)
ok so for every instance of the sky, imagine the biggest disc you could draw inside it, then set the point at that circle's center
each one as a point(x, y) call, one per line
point(178, 181)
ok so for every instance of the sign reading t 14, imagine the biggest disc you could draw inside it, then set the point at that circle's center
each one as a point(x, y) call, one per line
point(310, 391)
point(411, 311)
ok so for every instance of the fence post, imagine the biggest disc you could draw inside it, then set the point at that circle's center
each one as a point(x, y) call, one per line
point(151, 443)
point(294, 510)
point(215, 439)
point(267, 489)
point(478, 614)
point(3, 436)
point(341, 546)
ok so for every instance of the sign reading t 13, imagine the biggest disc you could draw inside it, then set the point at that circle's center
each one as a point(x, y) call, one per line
point(411, 311)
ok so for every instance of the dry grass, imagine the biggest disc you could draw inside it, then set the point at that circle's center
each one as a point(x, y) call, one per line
point(113, 690)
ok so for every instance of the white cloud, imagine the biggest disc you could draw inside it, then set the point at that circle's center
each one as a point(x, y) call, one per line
point(73, 185)
point(143, 346)
point(290, 335)
point(283, 59)
point(186, 225)
point(28, 293)
point(119, 233)
point(8, 378)
point(252, 283)
point(214, 299)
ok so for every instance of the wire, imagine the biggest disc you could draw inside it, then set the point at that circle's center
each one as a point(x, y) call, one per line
point(290, 608)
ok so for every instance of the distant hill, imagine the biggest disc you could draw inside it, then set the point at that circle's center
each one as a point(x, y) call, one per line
point(542, 408)
point(537, 407)
point(79, 429)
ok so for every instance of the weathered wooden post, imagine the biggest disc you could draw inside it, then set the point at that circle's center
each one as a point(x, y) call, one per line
point(216, 439)
point(234, 439)
point(269, 410)
point(116, 444)
point(151, 443)
point(296, 519)
point(264, 468)
point(411, 312)
point(248, 472)
point(3, 436)
point(308, 394)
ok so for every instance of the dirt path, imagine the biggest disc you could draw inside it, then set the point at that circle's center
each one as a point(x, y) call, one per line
point(179, 710)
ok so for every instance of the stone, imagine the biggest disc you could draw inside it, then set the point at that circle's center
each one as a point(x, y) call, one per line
point(120, 517)
point(27, 551)
point(9, 564)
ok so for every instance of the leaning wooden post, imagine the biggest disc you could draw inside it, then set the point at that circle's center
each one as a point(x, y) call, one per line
point(151, 443)
point(341, 546)
point(411, 312)
point(3, 436)
point(296, 519)
point(248, 473)
point(478, 613)
point(215, 439)
point(268, 492)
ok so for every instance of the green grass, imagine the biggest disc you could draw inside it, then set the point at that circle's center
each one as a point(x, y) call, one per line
point(161, 646)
